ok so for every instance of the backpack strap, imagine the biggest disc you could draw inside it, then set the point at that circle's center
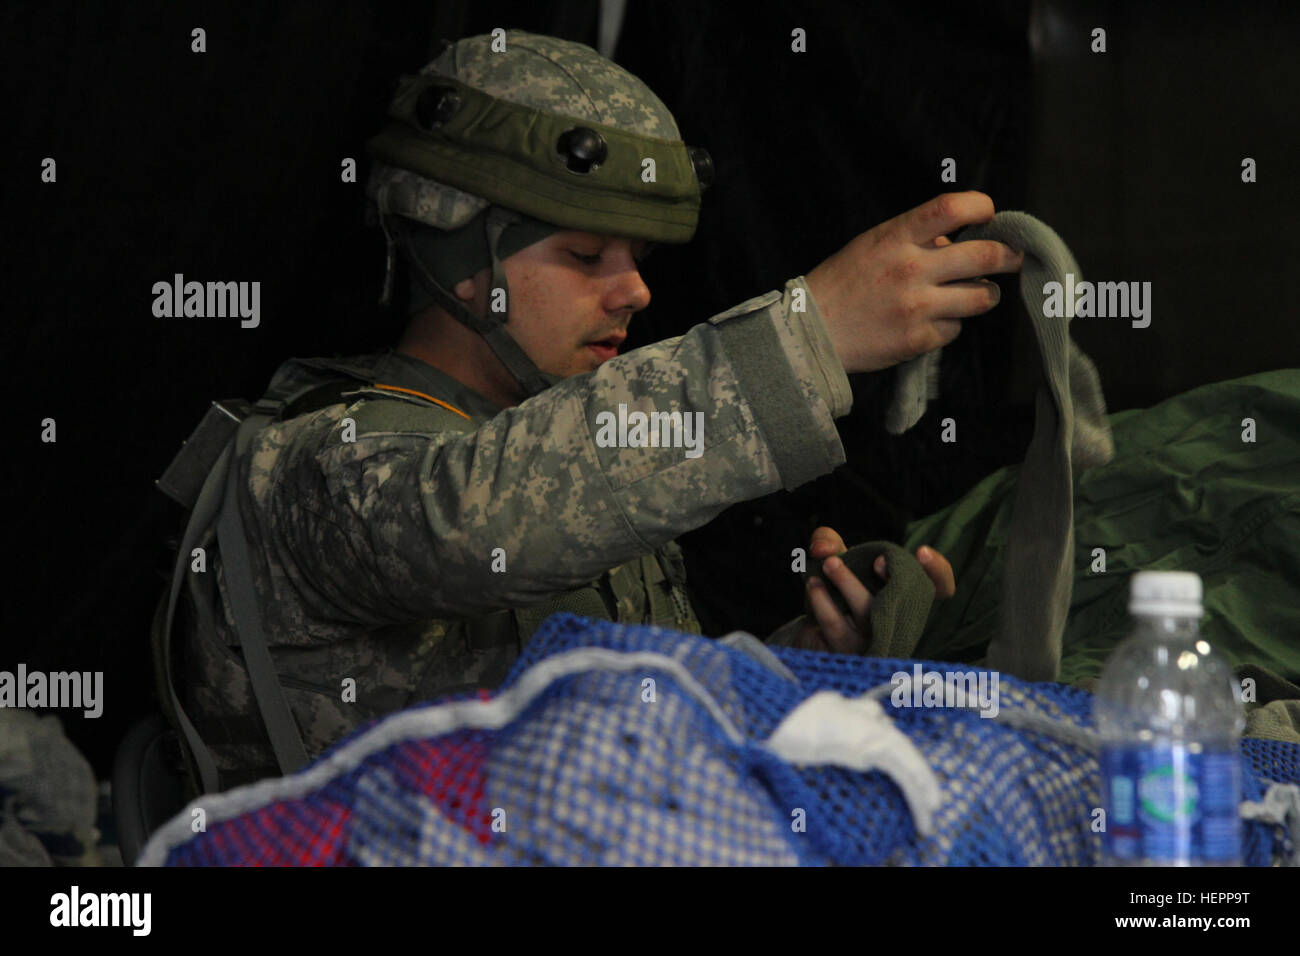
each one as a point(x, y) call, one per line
point(200, 478)
point(286, 739)
point(320, 396)
point(245, 607)
point(220, 422)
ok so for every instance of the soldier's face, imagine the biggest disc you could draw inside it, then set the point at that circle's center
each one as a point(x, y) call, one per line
point(572, 296)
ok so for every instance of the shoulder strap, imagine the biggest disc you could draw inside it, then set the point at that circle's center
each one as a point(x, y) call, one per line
point(286, 740)
point(204, 486)
point(205, 507)
point(318, 396)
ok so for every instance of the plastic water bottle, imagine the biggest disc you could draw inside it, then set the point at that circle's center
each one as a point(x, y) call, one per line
point(1170, 721)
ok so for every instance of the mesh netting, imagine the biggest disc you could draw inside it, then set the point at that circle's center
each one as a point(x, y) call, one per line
point(656, 750)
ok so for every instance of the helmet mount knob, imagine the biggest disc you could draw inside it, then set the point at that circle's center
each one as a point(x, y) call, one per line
point(582, 149)
point(436, 105)
point(703, 164)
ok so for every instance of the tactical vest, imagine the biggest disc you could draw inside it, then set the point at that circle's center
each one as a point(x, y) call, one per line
point(648, 590)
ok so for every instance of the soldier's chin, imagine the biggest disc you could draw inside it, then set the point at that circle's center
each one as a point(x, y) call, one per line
point(582, 364)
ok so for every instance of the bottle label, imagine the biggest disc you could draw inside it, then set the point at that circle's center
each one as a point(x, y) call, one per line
point(1165, 804)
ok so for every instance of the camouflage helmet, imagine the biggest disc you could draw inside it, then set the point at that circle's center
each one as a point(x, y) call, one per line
point(544, 126)
point(531, 134)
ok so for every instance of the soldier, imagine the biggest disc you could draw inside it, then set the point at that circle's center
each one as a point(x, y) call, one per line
point(411, 516)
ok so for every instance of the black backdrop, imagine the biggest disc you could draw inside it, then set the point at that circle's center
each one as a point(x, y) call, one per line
point(225, 165)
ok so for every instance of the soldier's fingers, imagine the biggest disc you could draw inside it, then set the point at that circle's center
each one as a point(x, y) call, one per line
point(831, 623)
point(825, 542)
point(854, 591)
point(945, 214)
point(969, 260)
point(939, 570)
point(961, 300)
point(836, 629)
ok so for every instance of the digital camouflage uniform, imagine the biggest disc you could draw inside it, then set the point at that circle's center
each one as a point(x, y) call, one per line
point(374, 557)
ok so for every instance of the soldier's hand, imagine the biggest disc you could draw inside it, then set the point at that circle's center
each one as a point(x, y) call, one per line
point(825, 627)
point(901, 289)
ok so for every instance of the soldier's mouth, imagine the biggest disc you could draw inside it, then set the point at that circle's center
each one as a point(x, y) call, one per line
point(607, 348)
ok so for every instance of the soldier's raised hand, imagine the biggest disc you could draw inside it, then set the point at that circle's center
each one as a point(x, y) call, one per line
point(901, 289)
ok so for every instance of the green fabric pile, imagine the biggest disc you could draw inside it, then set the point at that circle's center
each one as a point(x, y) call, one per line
point(1184, 492)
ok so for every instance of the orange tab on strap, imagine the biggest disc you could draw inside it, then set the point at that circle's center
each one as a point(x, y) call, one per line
point(436, 401)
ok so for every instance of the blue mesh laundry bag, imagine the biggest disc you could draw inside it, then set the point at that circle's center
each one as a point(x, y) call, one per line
point(611, 744)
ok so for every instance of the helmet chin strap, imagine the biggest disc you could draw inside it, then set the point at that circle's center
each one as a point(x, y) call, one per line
point(516, 361)
point(532, 379)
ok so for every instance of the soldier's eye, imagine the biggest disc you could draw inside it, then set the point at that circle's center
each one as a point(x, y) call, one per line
point(585, 260)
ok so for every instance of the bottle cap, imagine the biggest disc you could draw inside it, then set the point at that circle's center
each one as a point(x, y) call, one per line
point(1165, 592)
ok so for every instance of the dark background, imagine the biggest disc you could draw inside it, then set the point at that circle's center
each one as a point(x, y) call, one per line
point(225, 166)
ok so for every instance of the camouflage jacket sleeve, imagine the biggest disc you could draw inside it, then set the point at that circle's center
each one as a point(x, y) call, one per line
point(411, 521)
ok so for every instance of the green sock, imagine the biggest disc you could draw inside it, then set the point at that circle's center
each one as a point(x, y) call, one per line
point(1071, 432)
point(900, 604)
